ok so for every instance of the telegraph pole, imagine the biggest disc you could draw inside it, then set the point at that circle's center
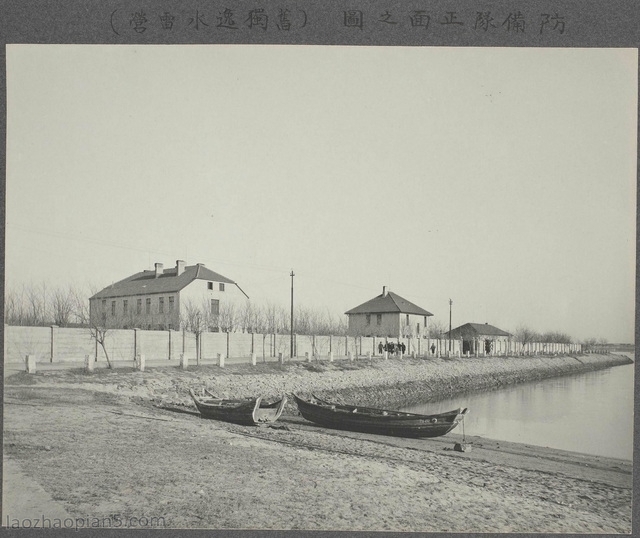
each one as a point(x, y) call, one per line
point(292, 275)
point(450, 304)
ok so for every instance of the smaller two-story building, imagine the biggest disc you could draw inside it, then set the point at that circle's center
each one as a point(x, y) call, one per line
point(162, 298)
point(388, 315)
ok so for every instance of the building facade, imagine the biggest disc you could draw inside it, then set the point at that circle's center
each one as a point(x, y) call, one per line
point(388, 315)
point(170, 299)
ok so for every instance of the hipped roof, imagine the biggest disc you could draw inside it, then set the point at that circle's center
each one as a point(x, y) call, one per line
point(389, 303)
point(168, 281)
point(472, 330)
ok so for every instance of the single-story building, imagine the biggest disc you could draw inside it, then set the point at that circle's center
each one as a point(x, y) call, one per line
point(479, 337)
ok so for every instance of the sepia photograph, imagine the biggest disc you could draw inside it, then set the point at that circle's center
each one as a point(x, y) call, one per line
point(320, 288)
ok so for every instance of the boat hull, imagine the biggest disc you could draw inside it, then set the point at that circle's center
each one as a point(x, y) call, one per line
point(248, 412)
point(378, 421)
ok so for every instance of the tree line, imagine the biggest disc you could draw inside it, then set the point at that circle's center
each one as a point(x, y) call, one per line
point(44, 305)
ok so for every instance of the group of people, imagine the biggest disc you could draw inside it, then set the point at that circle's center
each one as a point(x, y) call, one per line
point(392, 348)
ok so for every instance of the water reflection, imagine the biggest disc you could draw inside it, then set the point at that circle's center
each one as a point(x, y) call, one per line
point(590, 413)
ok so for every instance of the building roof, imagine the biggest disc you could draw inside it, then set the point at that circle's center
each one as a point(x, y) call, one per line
point(146, 282)
point(471, 330)
point(389, 302)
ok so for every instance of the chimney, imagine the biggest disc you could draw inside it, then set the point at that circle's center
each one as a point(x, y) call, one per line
point(180, 265)
point(384, 291)
point(159, 269)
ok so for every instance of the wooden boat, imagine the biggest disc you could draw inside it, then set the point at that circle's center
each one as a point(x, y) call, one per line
point(379, 421)
point(248, 411)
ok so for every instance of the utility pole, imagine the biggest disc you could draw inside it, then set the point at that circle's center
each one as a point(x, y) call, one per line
point(292, 275)
point(450, 305)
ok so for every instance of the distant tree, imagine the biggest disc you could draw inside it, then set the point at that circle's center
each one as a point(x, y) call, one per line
point(437, 328)
point(555, 337)
point(197, 318)
point(524, 335)
point(63, 306)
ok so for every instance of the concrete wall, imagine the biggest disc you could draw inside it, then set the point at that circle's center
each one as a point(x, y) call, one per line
point(125, 344)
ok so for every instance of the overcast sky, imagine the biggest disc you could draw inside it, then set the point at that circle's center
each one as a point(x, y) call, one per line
point(504, 179)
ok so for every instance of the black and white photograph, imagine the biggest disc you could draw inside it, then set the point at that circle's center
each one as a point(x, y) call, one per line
point(319, 288)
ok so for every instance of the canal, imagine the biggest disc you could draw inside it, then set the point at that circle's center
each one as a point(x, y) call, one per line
point(590, 413)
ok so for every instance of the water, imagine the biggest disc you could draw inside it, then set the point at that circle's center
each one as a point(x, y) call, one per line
point(590, 413)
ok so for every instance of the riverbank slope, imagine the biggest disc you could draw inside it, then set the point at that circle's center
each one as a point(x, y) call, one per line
point(100, 446)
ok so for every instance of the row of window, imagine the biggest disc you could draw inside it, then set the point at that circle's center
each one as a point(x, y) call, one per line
point(379, 320)
point(220, 286)
point(138, 307)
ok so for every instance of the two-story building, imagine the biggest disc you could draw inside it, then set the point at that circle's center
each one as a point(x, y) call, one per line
point(164, 298)
point(388, 315)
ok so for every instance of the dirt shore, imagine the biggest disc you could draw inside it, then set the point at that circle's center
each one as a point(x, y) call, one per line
point(108, 455)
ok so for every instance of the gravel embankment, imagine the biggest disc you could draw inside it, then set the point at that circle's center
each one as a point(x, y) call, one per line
point(394, 382)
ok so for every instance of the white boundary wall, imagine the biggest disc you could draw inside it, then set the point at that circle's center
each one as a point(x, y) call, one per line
point(55, 344)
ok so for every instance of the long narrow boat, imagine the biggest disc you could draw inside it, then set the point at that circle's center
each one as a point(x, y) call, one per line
point(247, 411)
point(379, 421)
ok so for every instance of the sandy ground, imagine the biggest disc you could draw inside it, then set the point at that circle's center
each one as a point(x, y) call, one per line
point(107, 456)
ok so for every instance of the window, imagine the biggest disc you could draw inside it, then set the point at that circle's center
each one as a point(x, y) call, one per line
point(221, 286)
point(113, 308)
point(425, 321)
point(215, 307)
point(417, 328)
point(379, 319)
point(104, 317)
point(368, 319)
point(104, 304)
point(147, 306)
point(161, 305)
point(125, 307)
point(139, 306)
point(171, 304)
point(209, 285)
point(407, 321)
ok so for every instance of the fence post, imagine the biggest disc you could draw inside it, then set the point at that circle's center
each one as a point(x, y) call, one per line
point(350, 356)
point(88, 363)
point(141, 362)
point(184, 361)
point(253, 359)
point(330, 356)
point(307, 357)
point(386, 355)
point(228, 333)
point(53, 327)
point(135, 344)
point(281, 357)
point(169, 344)
point(221, 359)
point(30, 363)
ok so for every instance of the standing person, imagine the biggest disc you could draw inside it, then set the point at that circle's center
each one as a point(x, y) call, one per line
point(433, 349)
point(380, 348)
point(404, 348)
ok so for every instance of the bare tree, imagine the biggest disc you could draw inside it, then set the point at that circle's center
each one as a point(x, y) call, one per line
point(63, 306)
point(229, 317)
point(98, 324)
point(437, 328)
point(524, 335)
point(197, 318)
point(555, 337)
